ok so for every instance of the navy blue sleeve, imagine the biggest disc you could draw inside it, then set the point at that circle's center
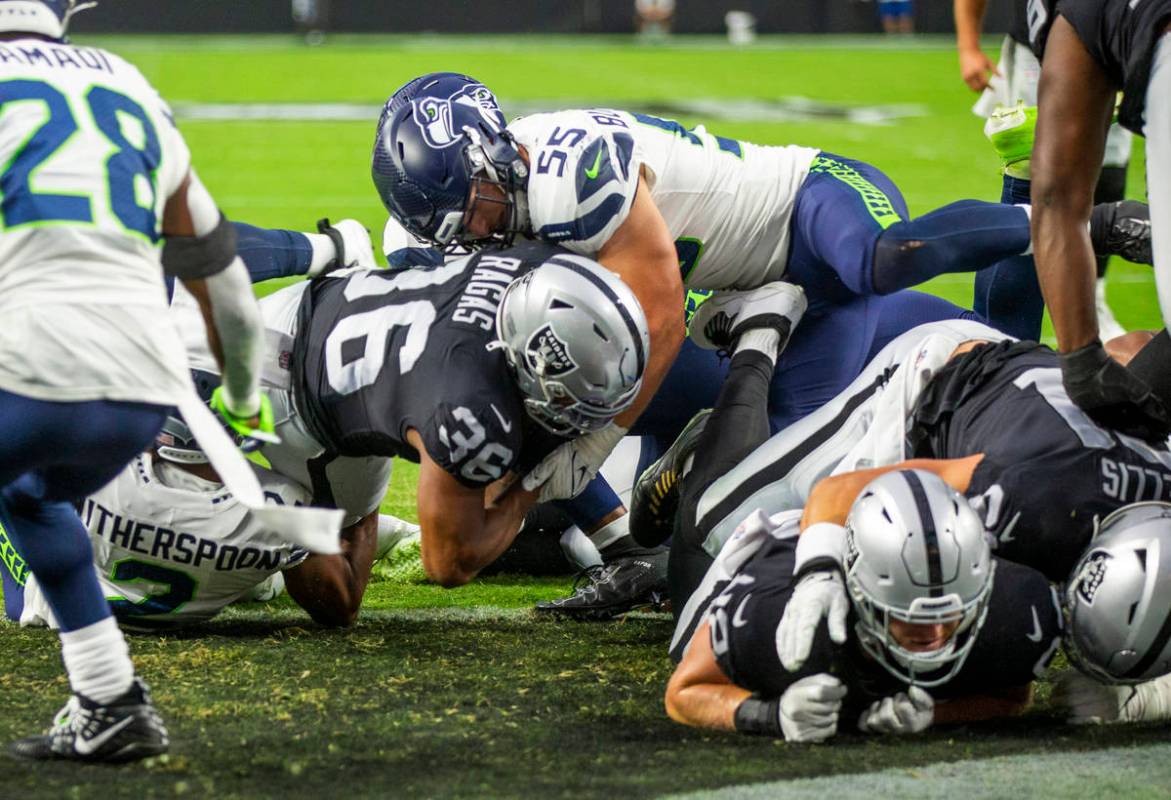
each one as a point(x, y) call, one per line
point(272, 253)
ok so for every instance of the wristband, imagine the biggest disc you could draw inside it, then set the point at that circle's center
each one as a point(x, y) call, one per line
point(820, 546)
point(757, 717)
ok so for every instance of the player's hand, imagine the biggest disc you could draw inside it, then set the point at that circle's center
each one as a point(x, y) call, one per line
point(1085, 701)
point(567, 471)
point(976, 69)
point(1112, 395)
point(821, 593)
point(809, 708)
point(912, 711)
point(252, 432)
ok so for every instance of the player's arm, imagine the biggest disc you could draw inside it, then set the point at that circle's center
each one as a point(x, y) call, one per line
point(831, 498)
point(458, 533)
point(699, 694)
point(1076, 101)
point(975, 66)
point(331, 587)
point(1011, 701)
point(200, 250)
point(642, 253)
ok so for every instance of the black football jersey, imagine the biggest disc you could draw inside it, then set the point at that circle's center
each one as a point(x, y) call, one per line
point(1048, 471)
point(378, 352)
point(1120, 36)
point(1021, 632)
point(1031, 21)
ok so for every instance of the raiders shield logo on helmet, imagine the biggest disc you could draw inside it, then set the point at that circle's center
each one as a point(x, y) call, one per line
point(548, 354)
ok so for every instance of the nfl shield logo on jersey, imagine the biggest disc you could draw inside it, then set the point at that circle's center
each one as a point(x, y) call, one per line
point(433, 114)
point(548, 354)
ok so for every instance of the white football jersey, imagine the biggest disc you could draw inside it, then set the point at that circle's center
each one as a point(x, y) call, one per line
point(91, 156)
point(172, 549)
point(727, 203)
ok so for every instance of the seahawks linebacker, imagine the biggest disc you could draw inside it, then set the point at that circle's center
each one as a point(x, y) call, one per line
point(173, 546)
point(473, 368)
point(939, 631)
point(1094, 48)
point(665, 207)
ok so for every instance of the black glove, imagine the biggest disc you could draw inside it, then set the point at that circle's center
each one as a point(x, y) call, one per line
point(1113, 396)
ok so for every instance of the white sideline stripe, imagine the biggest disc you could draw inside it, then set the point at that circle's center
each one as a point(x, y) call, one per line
point(1121, 772)
point(783, 109)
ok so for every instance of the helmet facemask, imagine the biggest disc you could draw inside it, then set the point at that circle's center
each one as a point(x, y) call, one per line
point(497, 177)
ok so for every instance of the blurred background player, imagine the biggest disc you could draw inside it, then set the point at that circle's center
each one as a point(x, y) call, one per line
point(312, 19)
point(89, 363)
point(1093, 50)
point(1008, 292)
point(896, 16)
point(652, 18)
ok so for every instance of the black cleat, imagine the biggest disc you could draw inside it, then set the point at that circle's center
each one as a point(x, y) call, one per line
point(1122, 229)
point(604, 592)
point(655, 497)
point(125, 730)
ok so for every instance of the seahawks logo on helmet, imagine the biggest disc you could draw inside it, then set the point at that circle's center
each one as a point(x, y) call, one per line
point(433, 114)
point(1091, 576)
point(548, 354)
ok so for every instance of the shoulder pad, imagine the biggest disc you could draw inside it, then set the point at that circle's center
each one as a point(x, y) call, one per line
point(583, 177)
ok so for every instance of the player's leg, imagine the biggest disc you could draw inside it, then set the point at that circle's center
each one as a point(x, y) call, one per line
point(13, 571)
point(737, 426)
point(51, 454)
point(1007, 293)
point(1111, 188)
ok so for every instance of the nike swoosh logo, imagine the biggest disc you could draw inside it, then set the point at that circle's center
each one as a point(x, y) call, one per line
point(738, 620)
point(86, 747)
point(592, 172)
point(503, 422)
point(1006, 535)
point(1035, 636)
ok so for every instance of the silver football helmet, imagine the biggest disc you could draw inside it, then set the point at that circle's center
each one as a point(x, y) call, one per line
point(1118, 599)
point(916, 553)
point(576, 340)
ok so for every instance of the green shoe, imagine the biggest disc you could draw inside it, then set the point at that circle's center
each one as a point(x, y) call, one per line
point(1011, 132)
point(403, 564)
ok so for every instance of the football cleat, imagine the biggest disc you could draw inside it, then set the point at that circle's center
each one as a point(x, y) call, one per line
point(351, 240)
point(127, 729)
point(1122, 229)
point(719, 320)
point(655, 497)
point(604, 592)
point(404, 562)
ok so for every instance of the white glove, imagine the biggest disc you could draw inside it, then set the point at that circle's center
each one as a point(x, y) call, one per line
point(1085, 701)
point(809, 708)
point(912, 711)
point(567, 471)
point(819, 594)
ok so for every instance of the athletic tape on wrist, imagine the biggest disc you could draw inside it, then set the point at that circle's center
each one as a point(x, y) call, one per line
point(821, 546)
point(758, 717)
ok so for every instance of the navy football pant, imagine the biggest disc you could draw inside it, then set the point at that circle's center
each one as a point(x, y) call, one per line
point(851, 234)
point(51, 455)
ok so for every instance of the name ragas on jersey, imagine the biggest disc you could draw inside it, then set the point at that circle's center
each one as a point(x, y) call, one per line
point(726, 203)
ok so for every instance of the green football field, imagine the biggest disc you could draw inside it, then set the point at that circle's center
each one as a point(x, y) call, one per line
point(465, 693)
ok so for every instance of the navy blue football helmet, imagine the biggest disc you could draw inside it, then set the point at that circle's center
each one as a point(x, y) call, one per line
point(441, 150)
point(45, 17)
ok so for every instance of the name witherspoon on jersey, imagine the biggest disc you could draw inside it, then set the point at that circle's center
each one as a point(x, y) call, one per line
point(176, 547)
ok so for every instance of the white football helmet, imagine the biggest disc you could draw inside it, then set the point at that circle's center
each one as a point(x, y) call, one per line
point(916, 553)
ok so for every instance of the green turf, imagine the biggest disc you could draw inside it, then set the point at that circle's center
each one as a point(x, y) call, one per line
point(466, 693)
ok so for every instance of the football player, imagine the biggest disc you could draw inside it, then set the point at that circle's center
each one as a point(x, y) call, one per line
point(940, 630)
point(173, 546)
point(1093, 49)
point(473, 368)
point(665, 207)
point(1008, 292)
point(89, 363)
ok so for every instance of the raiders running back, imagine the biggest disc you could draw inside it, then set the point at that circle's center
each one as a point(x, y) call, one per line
point(727, 203)
point(1049, 472)
point(378, 353)
point(173, 549)
point(1019, 637)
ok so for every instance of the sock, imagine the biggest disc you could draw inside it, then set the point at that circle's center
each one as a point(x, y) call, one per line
point(272, 253)
point(964, 236)
point(1007, 294)
point(761, 340)
point(97, 661)
point(323, 252)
